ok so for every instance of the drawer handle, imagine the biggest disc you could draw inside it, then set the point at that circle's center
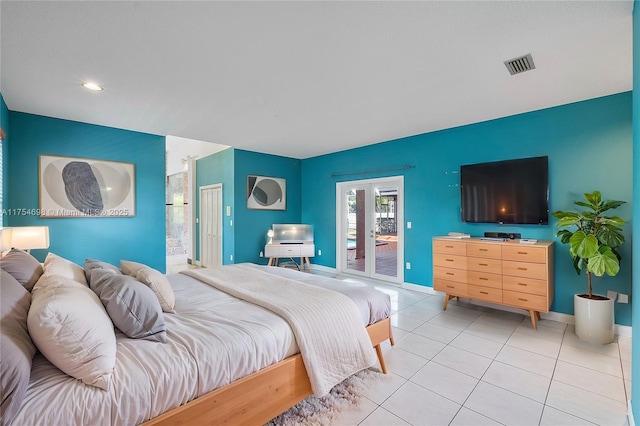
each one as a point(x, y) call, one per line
point(449, 260)
point(522, 269)
point(450, 286)
point(449, 246)
point(483, 249)
point(523, 252)
point(484, 292)
point(449, 273)
point(522, 284)
point(483, 264)
point(483, 278)
point(524, 300)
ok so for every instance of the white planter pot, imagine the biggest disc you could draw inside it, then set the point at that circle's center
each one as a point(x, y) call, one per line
point(594, 319)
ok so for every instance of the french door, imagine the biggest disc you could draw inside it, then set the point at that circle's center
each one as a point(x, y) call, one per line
point(211, 225)
point(370, 231)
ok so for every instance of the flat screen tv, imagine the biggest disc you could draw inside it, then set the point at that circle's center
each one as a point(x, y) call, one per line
point(508, 192)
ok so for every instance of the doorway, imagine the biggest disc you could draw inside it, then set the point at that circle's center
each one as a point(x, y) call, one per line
point(211, 225)
point(370, 231)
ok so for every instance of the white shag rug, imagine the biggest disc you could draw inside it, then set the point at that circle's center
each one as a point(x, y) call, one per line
point(322, 411)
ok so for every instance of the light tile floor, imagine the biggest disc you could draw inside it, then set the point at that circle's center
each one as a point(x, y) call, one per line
point(474, 366)
point(471, 365)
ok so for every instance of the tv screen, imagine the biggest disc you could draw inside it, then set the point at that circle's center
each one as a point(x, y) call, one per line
point(512, 191)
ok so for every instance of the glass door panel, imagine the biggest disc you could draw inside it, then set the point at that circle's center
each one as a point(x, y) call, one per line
point(386, 237)
point(355, 230)
point(368, 235)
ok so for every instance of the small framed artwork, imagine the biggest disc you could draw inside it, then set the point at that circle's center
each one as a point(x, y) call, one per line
point(84, 187)
point(266, 193)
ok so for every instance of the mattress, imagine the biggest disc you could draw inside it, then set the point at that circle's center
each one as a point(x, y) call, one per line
point(213, 340)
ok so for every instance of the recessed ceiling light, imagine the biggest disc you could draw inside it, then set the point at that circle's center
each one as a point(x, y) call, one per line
point(92, 86)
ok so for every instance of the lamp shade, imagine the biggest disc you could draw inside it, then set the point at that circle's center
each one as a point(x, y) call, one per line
point(30, 237)
point(5, 239)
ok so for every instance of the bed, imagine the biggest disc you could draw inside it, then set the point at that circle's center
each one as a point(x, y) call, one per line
point(225, 360)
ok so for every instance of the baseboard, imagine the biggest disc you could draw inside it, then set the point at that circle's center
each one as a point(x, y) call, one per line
point(632, 422)
point(323, 268)
point(620, 330)
point(419, 288)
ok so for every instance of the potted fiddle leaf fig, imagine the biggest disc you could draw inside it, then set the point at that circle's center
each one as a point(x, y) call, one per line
point(593, 240)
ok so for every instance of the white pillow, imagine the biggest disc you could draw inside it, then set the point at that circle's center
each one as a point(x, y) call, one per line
point(69, 325)
point(131, 268)
point(160, 286)
point(56, 265)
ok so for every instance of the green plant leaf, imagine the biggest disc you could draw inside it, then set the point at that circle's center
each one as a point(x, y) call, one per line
point(583, 245)
point(577, 265)
point(594, 198)
point(568, 221)
point(604, 261)
point(565, 235)
point(582, 204)
point(611, 204)
point(560, 214)
point(612, 220)
point(610, 237)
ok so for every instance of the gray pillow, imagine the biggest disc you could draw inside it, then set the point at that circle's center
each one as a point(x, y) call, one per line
point(132, 306)
point(91, 264)
point(22, 266)
point(16, 348)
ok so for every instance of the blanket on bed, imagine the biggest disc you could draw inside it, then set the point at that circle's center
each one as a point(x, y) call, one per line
point(326, 324)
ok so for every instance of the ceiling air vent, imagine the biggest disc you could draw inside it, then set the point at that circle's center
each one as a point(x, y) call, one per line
point(520, 65)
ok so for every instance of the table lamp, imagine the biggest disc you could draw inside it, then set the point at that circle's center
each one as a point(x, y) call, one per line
point(29, 237)
point(270, 234)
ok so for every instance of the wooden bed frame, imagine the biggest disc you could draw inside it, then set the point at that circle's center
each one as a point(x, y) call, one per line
point(261, 396)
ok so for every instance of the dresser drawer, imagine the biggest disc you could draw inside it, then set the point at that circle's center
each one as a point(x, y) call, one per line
point(524, 285)
point(526, 301)
point(449, 274)
point(524, 253)
point(488, 294)
point(493, 251)
point(450, 247)
point(450, 261)
point(450, 287)
point(492, 266)
point(484, 279)
point(292, 250)
point(536, 271)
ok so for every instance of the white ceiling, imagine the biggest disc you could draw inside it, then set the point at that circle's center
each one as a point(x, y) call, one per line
point(301, 79)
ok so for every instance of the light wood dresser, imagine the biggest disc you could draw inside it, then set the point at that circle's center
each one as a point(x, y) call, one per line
point(502, 272)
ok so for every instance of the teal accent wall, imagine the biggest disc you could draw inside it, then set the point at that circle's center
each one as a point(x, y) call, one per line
point(4, 123)
point(251, 226)
point(245, 239)
point(589, 145)
point(635, 331)
point(140, 238)
point(213, 169)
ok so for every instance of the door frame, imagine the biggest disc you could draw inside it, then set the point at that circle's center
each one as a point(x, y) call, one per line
point(341, 258)
point(220, 227)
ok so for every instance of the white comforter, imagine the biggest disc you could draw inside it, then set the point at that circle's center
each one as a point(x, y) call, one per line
point(327, 325)
point(213, 340)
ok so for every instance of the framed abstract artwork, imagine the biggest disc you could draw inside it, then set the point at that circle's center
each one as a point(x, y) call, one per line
point(266, 193)
point(84, 187)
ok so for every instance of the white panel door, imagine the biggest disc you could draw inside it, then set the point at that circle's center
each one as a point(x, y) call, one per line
point(211, 225)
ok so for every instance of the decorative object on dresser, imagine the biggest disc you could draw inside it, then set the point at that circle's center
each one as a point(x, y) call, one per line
point(593, 247)
point(501, 272)
point(290, 241)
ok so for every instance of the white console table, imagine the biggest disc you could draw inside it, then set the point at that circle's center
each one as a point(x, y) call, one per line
point(277, 251)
